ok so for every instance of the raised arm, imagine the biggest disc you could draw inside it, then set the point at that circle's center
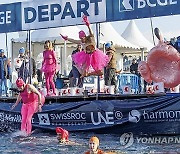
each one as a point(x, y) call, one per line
point(70, 39)
point(86, 21)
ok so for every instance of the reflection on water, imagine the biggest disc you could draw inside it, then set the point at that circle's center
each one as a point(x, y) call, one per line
point(45, 143)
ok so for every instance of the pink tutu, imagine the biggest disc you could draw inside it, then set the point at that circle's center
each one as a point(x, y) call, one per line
point(95, 61)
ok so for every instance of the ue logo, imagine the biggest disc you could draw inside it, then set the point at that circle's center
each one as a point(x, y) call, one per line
point(126, 5)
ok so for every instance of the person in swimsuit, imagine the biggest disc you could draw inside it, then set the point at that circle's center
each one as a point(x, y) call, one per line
point(94, 146)
point(32, 101)
point(62, 135)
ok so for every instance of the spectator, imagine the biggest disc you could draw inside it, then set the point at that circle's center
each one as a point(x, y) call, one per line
point(110, 69)
point(4, 72)
point(24, 72)
point(74, 75)
point(134, 70)
point(134, 67)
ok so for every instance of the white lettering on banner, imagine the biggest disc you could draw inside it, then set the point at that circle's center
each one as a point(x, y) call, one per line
point(143, 3)
point(68, 116)
point(161, 116)
point(101, 118)
point(158, 140)
point(5, 17)
point(10, 117)
point(57, 13)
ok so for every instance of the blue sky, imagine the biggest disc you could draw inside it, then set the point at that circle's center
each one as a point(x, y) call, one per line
point(169, 26)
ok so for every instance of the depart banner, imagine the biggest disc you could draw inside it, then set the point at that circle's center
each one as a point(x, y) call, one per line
point(34, 14)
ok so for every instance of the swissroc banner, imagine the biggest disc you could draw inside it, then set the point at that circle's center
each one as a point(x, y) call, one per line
point(153, 115)
point(56, 13)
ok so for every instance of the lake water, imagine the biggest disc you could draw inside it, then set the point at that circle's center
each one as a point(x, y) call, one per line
point(46, 143)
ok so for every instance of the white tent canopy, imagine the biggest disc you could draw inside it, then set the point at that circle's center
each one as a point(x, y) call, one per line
point(133, 35)
point(108, 34)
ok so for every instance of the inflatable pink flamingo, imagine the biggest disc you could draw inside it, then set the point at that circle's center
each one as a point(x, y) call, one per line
point(163, 64)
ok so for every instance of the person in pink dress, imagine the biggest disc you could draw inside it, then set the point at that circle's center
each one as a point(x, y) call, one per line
point(91, 61)
point(49, 67)
point(32, 101)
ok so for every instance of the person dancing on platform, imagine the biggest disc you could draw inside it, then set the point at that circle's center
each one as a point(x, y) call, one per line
point(49, 66)
point(32, 101)
point(91, 61)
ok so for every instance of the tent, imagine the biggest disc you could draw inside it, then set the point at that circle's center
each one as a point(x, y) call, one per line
point(133, 35)
point(108, 34)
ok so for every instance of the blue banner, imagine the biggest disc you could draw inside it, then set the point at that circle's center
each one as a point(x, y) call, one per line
point(10, 17)
point(161, 115)
point(135, 9)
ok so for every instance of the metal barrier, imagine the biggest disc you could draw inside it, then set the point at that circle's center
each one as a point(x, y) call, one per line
point(131, 80)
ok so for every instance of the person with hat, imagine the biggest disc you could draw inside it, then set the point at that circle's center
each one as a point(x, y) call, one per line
point(32, 101)
point(94, 146)
point(62, 135)
point(4, 73)
point(91, 61)
point(110, 69)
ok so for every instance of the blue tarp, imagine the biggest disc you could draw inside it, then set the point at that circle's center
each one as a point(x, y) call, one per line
point(153, 115)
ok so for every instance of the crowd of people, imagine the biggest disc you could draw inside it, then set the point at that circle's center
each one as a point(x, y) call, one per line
point(87, 60)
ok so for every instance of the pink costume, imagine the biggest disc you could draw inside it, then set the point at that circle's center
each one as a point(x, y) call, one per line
point(29, 107)
point(49, 69)
point(92, 59)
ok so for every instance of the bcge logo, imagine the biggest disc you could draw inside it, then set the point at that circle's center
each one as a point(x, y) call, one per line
point(126, 5)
